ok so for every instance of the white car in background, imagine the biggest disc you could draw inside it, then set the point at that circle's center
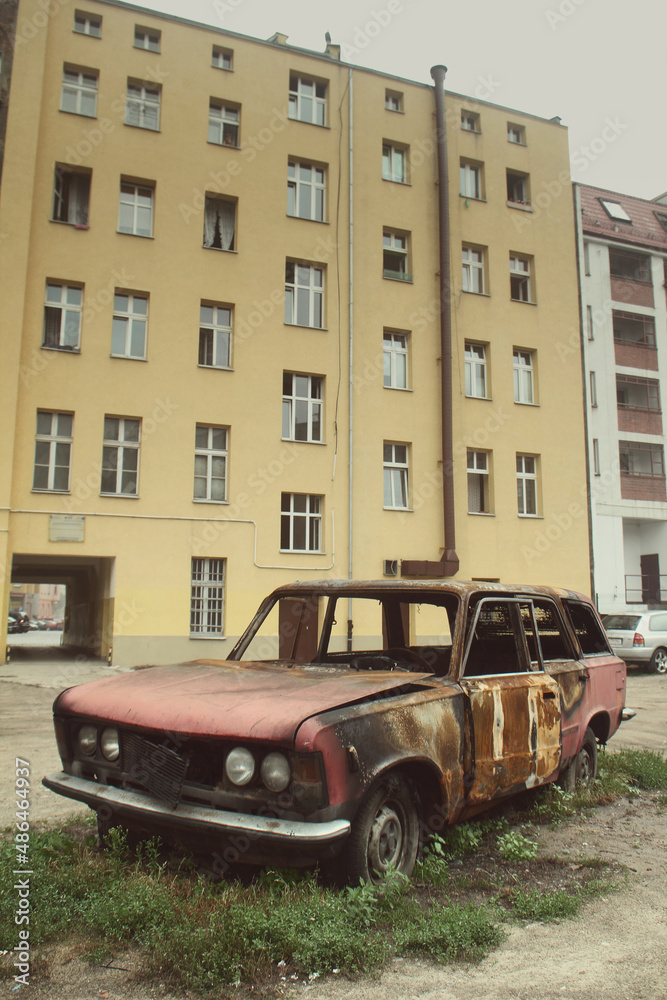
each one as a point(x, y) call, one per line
point(639, 638)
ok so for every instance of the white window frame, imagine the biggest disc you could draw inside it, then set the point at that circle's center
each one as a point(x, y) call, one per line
point(62, 298)
point(524, 377)
point(79, 86)
point(142, 105)
point(521, 278)
point(592, 378)
point(473, 269)
point(526, 484)
point(395, 359)
point(71, 195)
point(396, 475)
point(470, 176)
point(130, 324)
point(215, 336)
point(55, 430)
point(224, 123)
point(87, 24)
point(306, 104)
point(394, 163)
point(479, 482)
point(305, 523)
point(303, 407)
point(476, 370)
point(127, 450)
point(596, 457)
point(147, 39)
point(207, 597)
point(304, 295)
point(222, 58)
point(395, 249)
point(516, 134)
point(306, 190)
point(211, 458)
point(470, 121)
point(393, 101)
point(132, 201)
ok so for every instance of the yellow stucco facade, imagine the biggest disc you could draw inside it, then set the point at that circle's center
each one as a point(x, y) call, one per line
point(126, 551)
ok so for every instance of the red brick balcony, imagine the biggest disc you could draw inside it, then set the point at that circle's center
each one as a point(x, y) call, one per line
point(635, 293)
point(637, 487)
point(636, 356)
point(641, 421)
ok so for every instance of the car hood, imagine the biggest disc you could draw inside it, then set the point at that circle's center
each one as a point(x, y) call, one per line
point(266, 701)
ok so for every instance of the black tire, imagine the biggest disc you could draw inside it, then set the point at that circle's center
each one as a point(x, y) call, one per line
point(658, 662)
point(385, 834)
point(583, 768)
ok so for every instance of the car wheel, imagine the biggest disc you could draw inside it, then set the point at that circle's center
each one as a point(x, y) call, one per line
point(583, 768)
point(384, 836)
point(658, 662)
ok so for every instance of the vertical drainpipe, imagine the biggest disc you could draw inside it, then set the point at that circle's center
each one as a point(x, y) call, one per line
point(448, 563)
point(350, 567)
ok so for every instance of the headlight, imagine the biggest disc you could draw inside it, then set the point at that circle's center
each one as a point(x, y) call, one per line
point(87, 740)
point(240, 766)
point(109, 743)
point(275, 771)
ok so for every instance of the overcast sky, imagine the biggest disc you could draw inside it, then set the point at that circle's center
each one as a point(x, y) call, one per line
point(598, 64)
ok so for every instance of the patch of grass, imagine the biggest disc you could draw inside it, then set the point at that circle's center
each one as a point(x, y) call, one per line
point(515, 847)
point(450, 933)
point(534, 904)
point(627, 769)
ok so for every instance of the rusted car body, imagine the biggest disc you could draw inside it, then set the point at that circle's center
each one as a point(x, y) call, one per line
point(349, 722)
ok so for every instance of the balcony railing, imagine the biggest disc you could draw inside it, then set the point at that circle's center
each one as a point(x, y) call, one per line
point(645, 588)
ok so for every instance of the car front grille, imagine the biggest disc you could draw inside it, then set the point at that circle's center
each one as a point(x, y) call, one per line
point(158, 769)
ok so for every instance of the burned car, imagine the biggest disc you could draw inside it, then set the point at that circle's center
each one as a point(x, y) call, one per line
point(349, 722)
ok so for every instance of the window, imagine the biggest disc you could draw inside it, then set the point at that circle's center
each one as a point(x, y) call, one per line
point(79, 93)
point(590, 326)
point(615, 211)
point(143, 105)
point(394, 163)
point(475, 370)
point(147, 38)
point(87, 24)
point(473, 269)
point(207, 597)
point(219, 223)
point(393, 100)
point(307, 100)
point(300, 522)
point(215, 336)
point(592, 380)
point(395, 476)
point(62, 316)
point(210, 463)
point(471, 179)
point(524, 388)
point(222, 58)
point(662, 219)
point(395, 256)
point(71, 195)
point(479, 501)
point(306, 189)
point(470, 121)
point(53, 451)
point(395, 360)
point(520, 274)
point(632, 266)
point(517, 188)
point(223, 123)
point(526, 484)
point(130, 320)
point(135, 211)
point(640, 458)
point(120, 456)
point(587, 628)
point(596, 457)
point(304, 295)
point(516, 133)
point(633, 328)
point(302, 407)
point(637, 393)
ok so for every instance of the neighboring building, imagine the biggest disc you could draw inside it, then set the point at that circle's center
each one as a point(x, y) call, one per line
point(222, 339)
point(623, 272)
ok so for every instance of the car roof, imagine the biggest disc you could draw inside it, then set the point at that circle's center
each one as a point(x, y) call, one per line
point(459, 588)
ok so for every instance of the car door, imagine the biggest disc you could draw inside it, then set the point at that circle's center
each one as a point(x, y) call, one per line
point(513, 706)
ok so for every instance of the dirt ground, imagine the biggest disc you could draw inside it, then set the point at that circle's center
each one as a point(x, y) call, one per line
point(615, 949)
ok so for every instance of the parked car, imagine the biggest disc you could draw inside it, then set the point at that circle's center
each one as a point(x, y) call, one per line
point(639, 638)
point(20, 620)
point(348, 723)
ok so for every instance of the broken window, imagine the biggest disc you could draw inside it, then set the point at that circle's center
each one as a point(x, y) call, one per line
point(71, 195)
point(219, 224)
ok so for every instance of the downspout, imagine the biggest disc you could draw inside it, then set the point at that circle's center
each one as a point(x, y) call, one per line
point(350, 567)
point(448, 564)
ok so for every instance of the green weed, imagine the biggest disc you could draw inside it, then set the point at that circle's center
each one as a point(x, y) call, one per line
point(515, 847)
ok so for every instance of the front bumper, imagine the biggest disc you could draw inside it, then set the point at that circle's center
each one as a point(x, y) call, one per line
point(234, 838)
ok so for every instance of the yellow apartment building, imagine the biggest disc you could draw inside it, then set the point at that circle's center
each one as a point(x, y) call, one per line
point(267, 316)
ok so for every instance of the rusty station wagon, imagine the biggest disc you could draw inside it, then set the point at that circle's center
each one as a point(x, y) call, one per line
point(349, 722)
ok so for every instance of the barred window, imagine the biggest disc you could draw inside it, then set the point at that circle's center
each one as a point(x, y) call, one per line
point(207, 597)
